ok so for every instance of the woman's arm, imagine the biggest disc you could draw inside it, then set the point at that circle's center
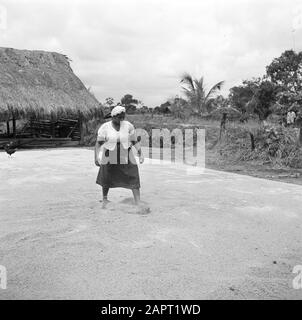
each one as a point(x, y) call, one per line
point(136, 143)
point(138, 148)
point(97, 148)
point(100, 140)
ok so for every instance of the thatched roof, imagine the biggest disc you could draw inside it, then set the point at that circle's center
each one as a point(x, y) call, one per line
point(41, 83)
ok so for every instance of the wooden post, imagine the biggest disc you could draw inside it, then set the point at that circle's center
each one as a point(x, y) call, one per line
point(31, 126)
point(298, 124)
point(252, 141)
point(14, 127)
point(222, 124)
point(52, 126)
point(7, 128)
point(81, 127)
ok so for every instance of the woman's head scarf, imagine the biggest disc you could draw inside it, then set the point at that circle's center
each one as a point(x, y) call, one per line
point(117, 110)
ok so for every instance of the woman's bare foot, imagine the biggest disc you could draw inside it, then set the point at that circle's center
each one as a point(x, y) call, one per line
point(105, 202)
point(142, 208)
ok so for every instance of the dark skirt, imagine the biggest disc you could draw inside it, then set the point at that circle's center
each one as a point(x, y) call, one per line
point(122, 173)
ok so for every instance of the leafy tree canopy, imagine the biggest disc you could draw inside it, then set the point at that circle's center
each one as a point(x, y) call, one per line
point(129, 103)
point(127, 100)
point(264, 98)
point(286, 71)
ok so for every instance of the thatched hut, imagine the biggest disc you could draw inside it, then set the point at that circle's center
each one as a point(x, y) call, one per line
point(41, 85)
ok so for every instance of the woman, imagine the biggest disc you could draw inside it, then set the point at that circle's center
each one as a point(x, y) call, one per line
point(114, 156)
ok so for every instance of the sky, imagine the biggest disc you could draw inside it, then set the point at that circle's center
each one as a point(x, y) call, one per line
point(143, 47)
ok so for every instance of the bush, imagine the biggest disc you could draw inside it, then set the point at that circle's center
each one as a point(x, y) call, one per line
point(280, 145)
point(273, 144)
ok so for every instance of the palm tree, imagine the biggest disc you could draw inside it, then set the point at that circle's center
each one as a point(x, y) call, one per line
point(195, 91)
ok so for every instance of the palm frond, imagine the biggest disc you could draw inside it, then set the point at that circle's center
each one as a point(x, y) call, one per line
point(188, 93)
point(188, 80)
point(214, 89)
point(199, 84)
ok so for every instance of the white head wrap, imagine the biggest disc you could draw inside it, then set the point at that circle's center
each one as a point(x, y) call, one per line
point(117, 110)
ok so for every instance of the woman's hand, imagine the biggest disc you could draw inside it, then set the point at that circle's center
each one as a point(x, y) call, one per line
point(141, 159)
point(97, 149)
point(97, 163)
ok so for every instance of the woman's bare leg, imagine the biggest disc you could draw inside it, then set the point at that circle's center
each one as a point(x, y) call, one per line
point(105, 193)
point(136, 195)
point(105, 196)
point(142, 209)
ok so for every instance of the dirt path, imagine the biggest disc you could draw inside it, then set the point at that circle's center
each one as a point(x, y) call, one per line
point(213, 236)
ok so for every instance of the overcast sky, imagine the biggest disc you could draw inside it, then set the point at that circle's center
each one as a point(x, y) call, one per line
point(142, 47)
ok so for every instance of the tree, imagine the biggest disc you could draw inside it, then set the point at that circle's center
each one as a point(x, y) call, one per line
point(179, 107)
point(257, 96)
point(157, 110)
point(219, 101)
point(286, 71)
point(264, 98)
point(240, 96)
point(165, 108)
point(128, 99)
point(144, 109)
point(129, 103)
point(196, 94)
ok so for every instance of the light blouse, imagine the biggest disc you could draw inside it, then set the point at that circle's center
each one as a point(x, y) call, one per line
point(111, 136)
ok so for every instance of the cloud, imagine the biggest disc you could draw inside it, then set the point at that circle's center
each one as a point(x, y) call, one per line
point(143, 46)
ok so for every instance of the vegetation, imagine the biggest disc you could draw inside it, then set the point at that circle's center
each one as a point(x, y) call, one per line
point(198, 98)
point(129, 103)
point(286, 71)
point(248, 125)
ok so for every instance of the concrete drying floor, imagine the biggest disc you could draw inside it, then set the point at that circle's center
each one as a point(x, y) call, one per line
point(211, 236)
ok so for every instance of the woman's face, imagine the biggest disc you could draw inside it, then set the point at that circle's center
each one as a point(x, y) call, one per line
point(118, 118)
